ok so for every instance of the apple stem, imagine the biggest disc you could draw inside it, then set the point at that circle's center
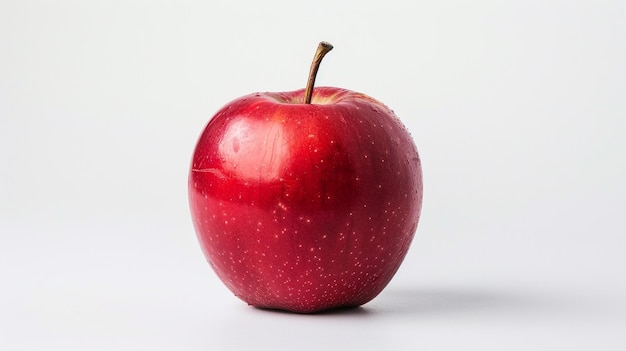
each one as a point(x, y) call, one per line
point(322, 49)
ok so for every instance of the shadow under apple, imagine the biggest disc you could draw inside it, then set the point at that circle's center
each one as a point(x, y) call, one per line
point(435, 300)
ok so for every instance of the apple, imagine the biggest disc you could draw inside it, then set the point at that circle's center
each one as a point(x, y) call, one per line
point(306, 200)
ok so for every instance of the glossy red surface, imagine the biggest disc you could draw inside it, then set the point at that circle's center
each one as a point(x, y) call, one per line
point(305, 207)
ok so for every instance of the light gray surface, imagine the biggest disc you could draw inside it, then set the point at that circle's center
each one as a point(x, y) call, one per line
point(518, 110)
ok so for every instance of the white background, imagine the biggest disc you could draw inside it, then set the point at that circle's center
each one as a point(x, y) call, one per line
point(518, 109)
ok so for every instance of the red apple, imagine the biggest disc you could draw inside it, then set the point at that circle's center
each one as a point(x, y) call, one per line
point(305, 206)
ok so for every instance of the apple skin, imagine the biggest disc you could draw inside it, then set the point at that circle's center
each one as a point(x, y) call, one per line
point(305, 207)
